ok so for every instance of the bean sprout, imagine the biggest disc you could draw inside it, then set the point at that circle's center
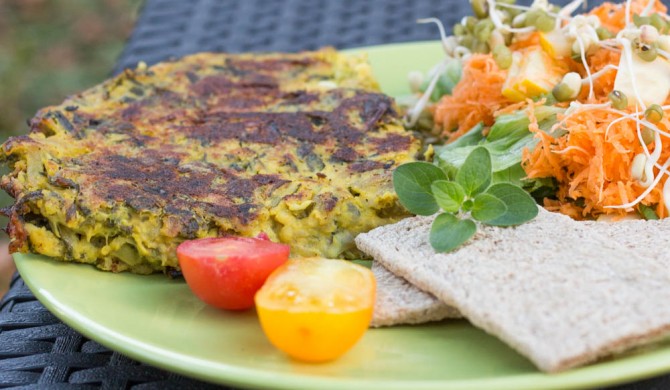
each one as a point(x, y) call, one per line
point(646, 191)
point(628, 56)
point(582, 53)
point(415, 111)
point(495, 18)
point(446, 45)
point(599, 73)
point(648, 8)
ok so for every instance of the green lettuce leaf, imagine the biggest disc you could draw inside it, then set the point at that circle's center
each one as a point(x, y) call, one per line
point(506, 140)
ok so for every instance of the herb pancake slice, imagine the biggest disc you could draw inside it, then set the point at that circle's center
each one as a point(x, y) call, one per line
point(297, 146)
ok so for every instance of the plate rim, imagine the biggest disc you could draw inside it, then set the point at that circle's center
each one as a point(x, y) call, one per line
point(232, 375)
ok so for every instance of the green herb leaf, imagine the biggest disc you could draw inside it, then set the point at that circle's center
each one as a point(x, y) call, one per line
point(547, 184)
point(364, 263)
point(475, 174)
point(487, 207)
point(448, 232)
point(451, 77)
point(647, 212)
point(472, 137)
point(468, 205)
point(506, 140)
point(412, 183)
point(515, 125)
point(462, 146)
point(514, 174)
point(503, 153)
point(445, 82)
point(448, 194)
point(520, 206)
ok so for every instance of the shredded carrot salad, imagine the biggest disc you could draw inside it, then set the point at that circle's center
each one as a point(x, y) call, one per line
point(591, 150)
point(478, 95)
point(613, 16)
point(593, 164)
point(592, 161)
point(474, 99)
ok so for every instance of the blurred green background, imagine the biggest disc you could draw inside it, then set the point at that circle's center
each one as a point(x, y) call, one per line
point(50, 49)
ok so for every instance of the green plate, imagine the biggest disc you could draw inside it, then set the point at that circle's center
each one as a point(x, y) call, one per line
point(159, 321)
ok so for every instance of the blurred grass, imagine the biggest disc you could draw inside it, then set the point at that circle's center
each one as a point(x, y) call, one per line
point(50, 49)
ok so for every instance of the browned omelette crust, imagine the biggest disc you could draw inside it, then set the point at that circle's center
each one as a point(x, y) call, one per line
point(299, 146)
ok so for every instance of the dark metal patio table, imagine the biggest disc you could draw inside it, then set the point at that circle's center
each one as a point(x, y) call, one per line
point(36, 349)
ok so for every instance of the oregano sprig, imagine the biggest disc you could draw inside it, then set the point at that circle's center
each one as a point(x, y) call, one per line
point(425, 189)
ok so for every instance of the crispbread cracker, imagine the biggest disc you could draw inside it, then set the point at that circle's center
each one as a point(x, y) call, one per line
point(399, 302)
point(644, 237)
point(558, 291)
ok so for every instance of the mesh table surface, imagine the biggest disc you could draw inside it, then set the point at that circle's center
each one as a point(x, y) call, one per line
point(36, 349)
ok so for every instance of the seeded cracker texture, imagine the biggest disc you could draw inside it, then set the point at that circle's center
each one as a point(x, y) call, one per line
point(399, 302)
point(558, 291)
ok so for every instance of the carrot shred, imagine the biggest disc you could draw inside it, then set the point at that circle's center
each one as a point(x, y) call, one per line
point(474, 99)
point(510, 108)
point(592, 165)
point(604, 84)
point(613, 16)
point(534, 125)
point(529, 40)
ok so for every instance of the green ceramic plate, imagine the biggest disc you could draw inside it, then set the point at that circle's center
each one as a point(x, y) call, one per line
point(160, 322)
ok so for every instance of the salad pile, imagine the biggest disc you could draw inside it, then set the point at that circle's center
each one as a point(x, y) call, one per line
point(572, 107)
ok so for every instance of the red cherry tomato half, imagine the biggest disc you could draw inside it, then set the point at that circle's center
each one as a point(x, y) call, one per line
point(226, 272)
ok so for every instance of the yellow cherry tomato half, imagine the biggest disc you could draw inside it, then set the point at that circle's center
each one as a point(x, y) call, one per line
point(316, 309)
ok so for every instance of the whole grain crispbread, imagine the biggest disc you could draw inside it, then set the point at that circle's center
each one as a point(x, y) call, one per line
point(558, 291)
point(639, 235)
point(399, 302)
